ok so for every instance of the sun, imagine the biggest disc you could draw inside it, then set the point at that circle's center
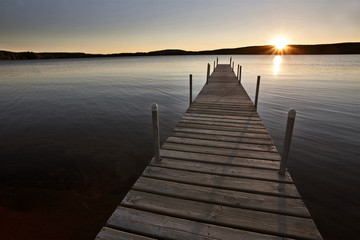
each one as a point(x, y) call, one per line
point(280, 43)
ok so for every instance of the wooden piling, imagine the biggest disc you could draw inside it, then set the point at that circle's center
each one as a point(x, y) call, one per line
point(156, 134)
point(237, 73)
point(217, 61)
point(190, 80)
point(214, 67)
point(257, 91)
point(287, 140)
point(239, 77)
point(208, 73)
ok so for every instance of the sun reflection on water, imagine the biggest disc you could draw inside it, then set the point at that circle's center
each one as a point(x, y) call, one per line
point(277, 61)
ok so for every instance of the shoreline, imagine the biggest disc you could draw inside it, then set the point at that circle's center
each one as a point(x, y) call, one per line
point(318, 49)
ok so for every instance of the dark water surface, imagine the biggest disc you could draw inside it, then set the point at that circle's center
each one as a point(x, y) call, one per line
point(75, 134)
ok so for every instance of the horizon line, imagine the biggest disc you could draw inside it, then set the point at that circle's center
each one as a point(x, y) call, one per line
point(176, 49)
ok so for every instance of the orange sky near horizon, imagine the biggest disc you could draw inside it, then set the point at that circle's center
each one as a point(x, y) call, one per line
point(142, 26)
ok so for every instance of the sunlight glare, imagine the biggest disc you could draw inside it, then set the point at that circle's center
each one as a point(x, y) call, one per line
point(277, 61)
point(280, 43)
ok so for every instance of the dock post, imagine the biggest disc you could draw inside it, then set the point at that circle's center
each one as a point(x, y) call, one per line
point(230, 61)
point(233, 65)
point(217, 61)
point(237, 73)
point(190, 79)
point(155, 121)
point(287, 140)
point(257, 91)
point(214, 67)
point(208, 73)
point(239, 77)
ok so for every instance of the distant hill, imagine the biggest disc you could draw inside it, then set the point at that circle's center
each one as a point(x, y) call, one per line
point(336, 48)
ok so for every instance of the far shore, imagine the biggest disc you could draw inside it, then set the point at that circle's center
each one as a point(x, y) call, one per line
point(335, 48)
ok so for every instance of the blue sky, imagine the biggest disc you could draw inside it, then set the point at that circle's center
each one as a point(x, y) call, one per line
point(109, 26)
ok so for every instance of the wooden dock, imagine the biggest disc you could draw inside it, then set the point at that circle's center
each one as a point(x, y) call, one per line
point(217, 178)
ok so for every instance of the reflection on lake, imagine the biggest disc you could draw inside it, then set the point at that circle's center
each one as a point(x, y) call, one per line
point(277, 61)
point(76, 133)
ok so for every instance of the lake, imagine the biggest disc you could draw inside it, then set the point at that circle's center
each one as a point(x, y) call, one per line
point(76, 133)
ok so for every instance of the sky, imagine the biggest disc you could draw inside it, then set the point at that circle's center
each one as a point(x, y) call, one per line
point(117, 26)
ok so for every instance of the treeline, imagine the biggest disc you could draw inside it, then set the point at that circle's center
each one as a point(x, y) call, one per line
point(337, 48)
point(5, 55)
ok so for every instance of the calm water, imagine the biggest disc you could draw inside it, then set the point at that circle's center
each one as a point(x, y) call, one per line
point(75, 134)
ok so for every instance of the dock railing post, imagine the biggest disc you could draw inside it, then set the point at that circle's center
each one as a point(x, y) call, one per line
point(233, 65)
point(208, 73)
point(214, 67)
point(287, 140)
point(155, 122)
point(237, 73)
point(239, 77)
point(217, 61)
point(257, 91)
point(230, 61)
point(190, 79)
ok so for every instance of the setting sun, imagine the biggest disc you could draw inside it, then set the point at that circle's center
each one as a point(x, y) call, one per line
point(280, 43)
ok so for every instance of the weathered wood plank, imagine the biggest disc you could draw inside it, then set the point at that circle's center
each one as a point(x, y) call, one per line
point(221, 144)
point(285, 206)
point(231, 129)
point(223, 124)
point(269, 223)
point(217, 159)
point(224, 107)
point(223, 151)
point(219, 111)
point(223, 116)
point(225, 170)
point(223, 182)
point(221, 105)
point(113, 234)
point(254, 122)
point(167, 227)
point(223, 138)
point(223, 133)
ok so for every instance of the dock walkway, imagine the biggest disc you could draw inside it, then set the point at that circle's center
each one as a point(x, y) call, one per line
point(217, 179)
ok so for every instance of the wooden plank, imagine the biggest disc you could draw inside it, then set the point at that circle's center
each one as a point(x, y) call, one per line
point(167, 227)
point(223, 182)
point(222, 138)
point(221, 144)
point(245, 104)
point(285, 206)
point(223, 116)
point(223, 151)
point(217, 159)
point(224, 107)
point(254, 122)
point(113, 234)
point(224, 170)
point(219, 111)
point(231, 129)
point(268, 223)
point(221, 124)
point(223, 133)
point(223, 96)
